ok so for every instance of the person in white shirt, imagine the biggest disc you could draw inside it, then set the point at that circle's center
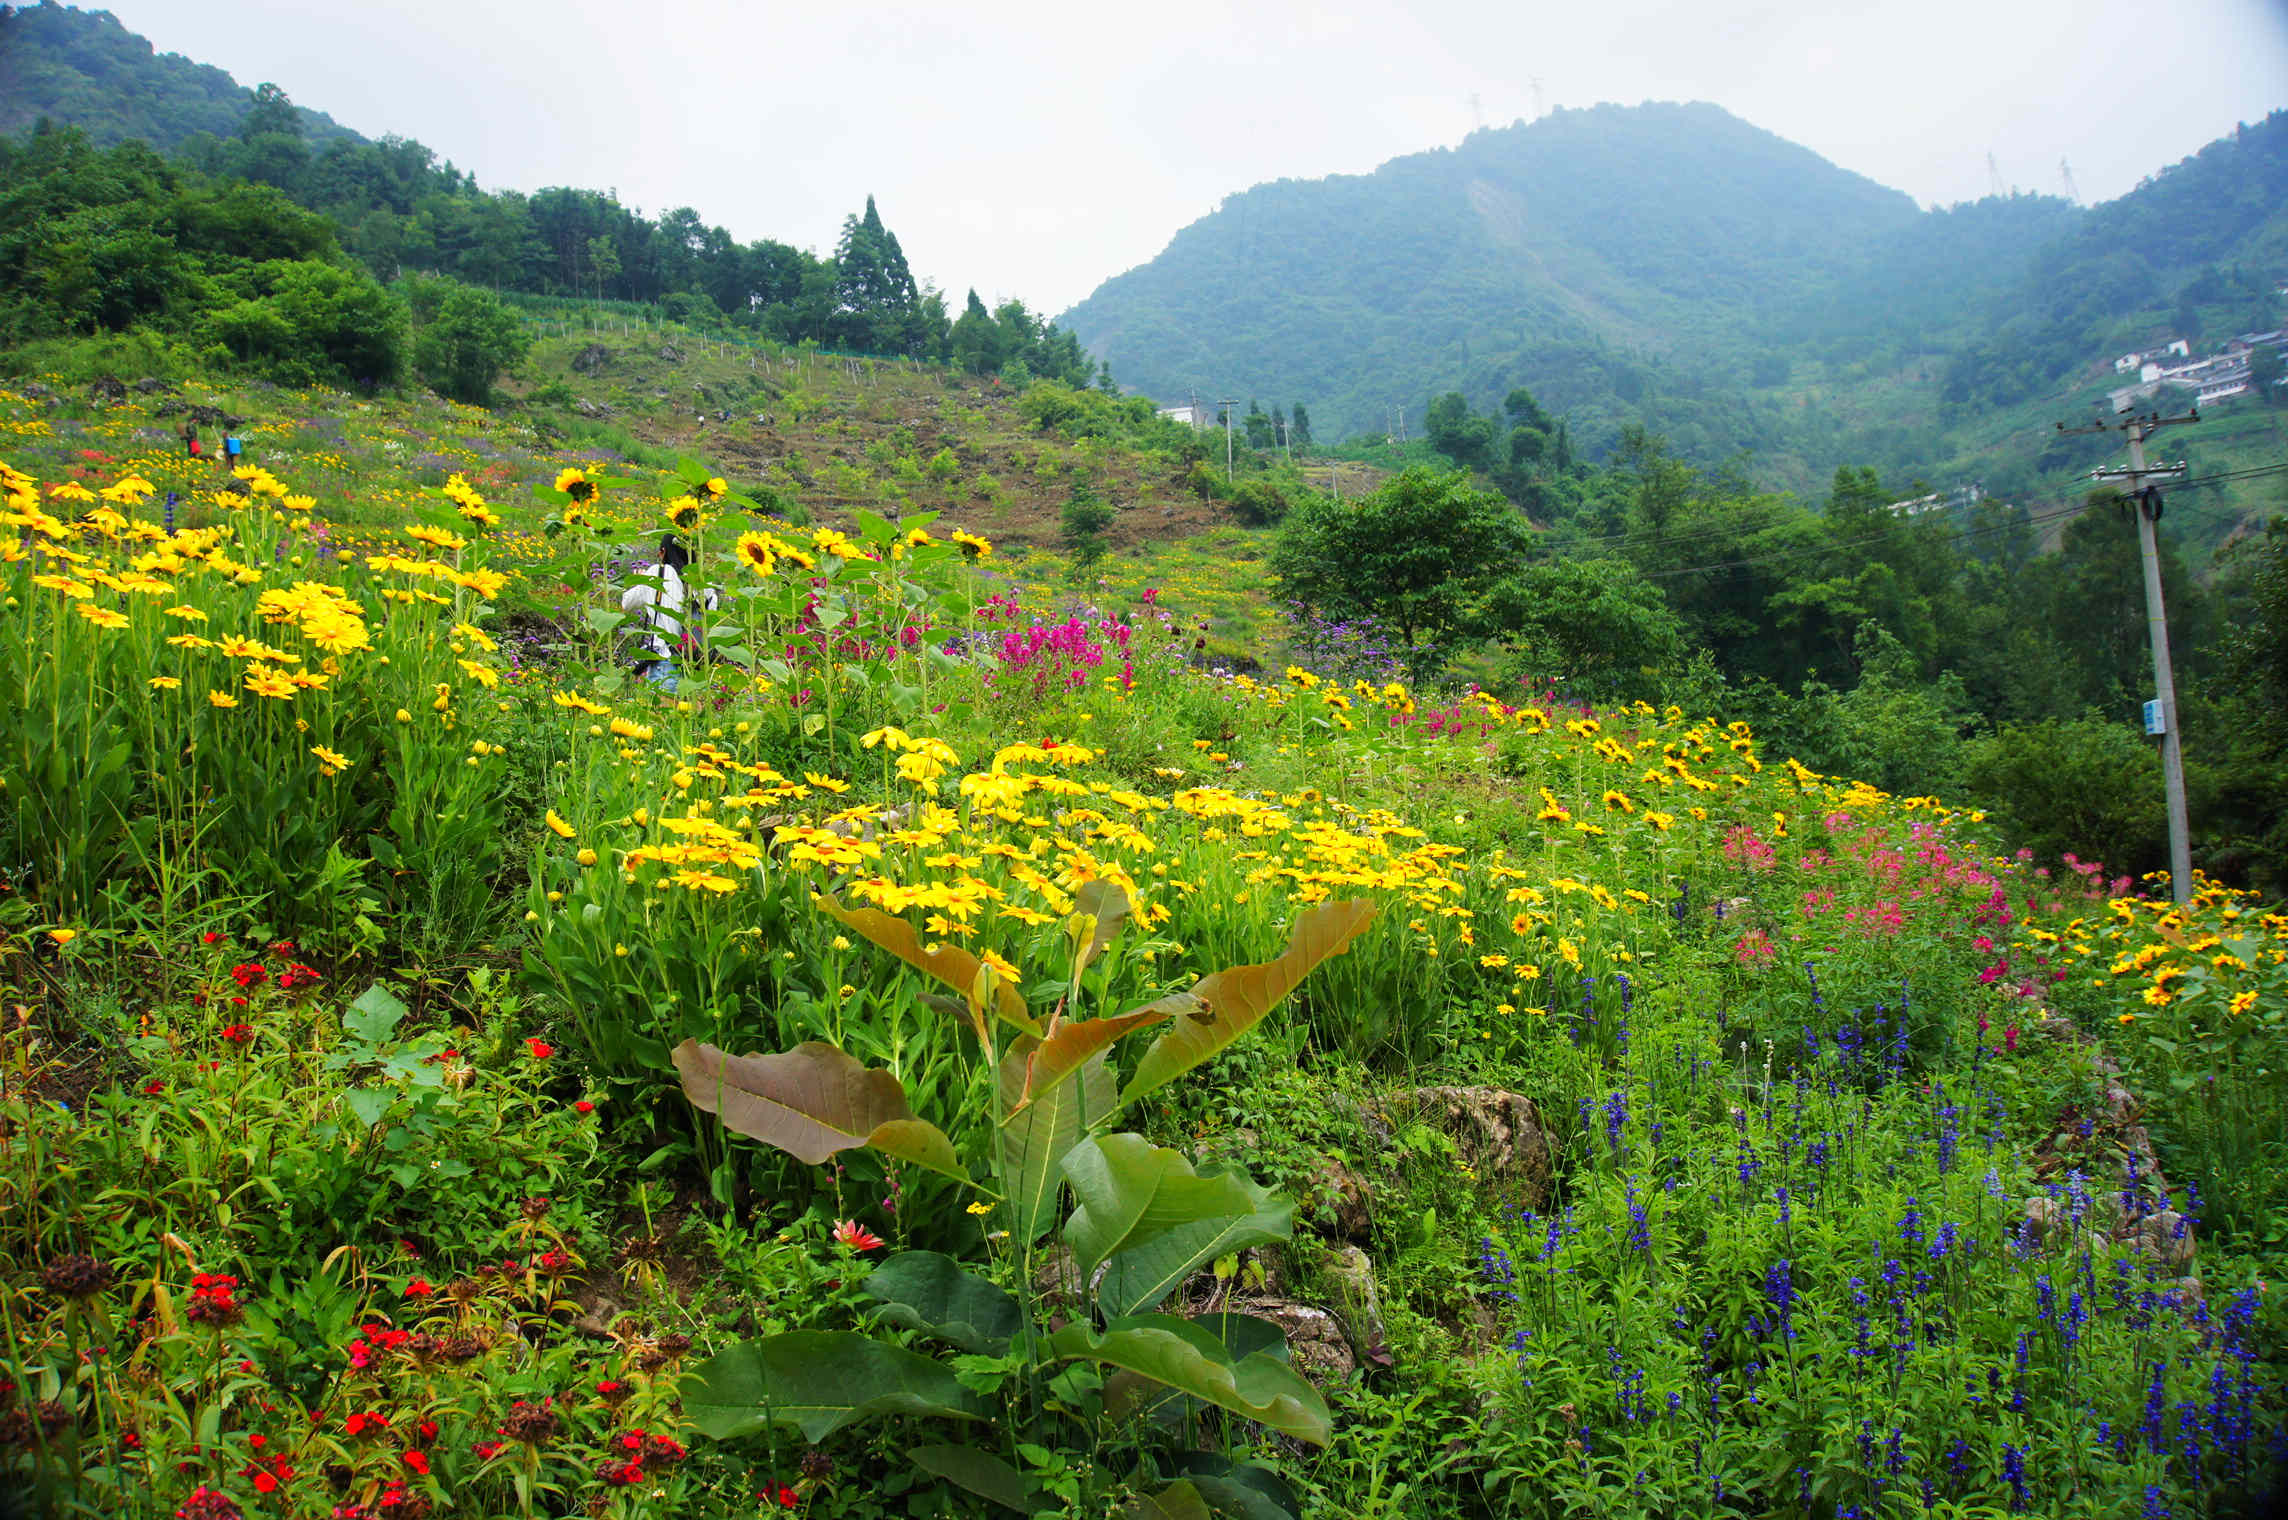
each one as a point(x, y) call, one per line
point(658, 597)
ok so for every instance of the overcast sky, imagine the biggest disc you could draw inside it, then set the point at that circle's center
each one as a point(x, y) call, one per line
point(1037, 149)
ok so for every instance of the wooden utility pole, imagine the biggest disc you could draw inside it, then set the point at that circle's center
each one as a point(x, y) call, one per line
point(1229, 407)
point(2161, 712)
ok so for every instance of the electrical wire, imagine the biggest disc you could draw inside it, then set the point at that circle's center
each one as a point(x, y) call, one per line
point(2031, 520)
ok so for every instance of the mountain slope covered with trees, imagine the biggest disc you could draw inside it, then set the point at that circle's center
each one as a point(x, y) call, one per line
point(1673, 267)
point(84, 68)
point(393, 208)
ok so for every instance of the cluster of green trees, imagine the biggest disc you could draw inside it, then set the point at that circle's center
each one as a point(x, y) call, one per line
point(220, 271)
point(1940, 652)
point(392, 209)
point(398, 210)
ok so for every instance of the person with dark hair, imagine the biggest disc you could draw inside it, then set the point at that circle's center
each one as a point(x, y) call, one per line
point(191, 439)
point(658, 598)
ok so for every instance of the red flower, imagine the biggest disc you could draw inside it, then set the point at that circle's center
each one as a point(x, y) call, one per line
point(238, 1034)
point(418, 1461)
point(211, 937)
point(428, 1429)
point(361, 1422)
point(856, 1236)
point(250, 974)
point(541, 1049)
point(487, 1450)
point(154, 1086)
point(583, 1107)
point(418, 1288)
point(788, 1498)
point(264, 1483)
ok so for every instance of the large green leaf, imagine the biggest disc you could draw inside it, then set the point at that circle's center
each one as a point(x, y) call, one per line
point(925, 1291)
point(811, 1102)
point(1191, 1360)
point(1100, 908)
point(1243, 1489)
point(1178, 1501)
point(981, 1472)
point(1067, 1049)
point(820, 1381)
point(1033, 1142)
point(950, 964)
point(1128, 1396)
point(1141, 1205)
point(1224, 1005)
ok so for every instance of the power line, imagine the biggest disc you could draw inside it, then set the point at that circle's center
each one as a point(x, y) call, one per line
point(2060, 511)
point(2034, 516)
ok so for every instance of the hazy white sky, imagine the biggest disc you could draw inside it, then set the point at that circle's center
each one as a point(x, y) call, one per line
point(1037, 149)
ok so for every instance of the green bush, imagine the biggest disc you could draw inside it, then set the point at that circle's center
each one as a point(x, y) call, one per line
point(2082, 784)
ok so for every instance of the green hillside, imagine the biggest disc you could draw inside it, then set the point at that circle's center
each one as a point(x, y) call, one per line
point(1672, 267)
point(83, 69)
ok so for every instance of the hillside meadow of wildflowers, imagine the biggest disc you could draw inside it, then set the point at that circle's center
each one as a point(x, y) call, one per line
point(952, 1054)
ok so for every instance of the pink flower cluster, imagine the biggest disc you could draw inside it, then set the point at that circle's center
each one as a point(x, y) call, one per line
point(1742, 847)
point(1060, 656)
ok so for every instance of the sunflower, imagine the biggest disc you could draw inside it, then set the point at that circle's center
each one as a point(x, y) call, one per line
point(102, 617)
point(330, 762)
point(576, 485)
point(558, 826)
point(683, 512)
point(713, 489)
point(755, 549)
point(221, 699)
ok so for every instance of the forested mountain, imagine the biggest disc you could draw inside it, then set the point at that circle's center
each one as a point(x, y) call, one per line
point(85, 69)
point(2200, 248)
point(1675, 267)
point(96, 239)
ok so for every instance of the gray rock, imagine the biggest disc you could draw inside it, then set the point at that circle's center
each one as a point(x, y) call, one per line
point(1337, 1201)
point(591, 359)
point(1316, 1344)
point(1350, 1275)
point(1498, 1134)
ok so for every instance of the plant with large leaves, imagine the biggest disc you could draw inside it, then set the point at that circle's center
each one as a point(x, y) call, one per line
point(1141, 1221)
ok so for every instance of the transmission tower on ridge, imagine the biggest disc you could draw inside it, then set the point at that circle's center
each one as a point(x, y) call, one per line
point(1994, 185)
point(1539, 109)
point(2065, 172)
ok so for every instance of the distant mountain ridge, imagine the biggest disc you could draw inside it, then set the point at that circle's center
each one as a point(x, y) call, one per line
point(84, 69)
point(1675, 266)
point(1560, 254)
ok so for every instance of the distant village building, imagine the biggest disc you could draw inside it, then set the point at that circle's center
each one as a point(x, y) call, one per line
point(1191, 415)
point(2175, 348)
point(1940, 501)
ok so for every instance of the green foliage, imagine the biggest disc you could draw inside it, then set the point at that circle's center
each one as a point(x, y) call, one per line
point(1085, 517)
point(2080, 784)
point(1141, 1214)
point(1594, 626)
point(462, 348)
point(83, 68)
point(1420, 555)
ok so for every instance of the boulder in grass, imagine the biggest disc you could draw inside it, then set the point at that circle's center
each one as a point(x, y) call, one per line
point(1499, 1135)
